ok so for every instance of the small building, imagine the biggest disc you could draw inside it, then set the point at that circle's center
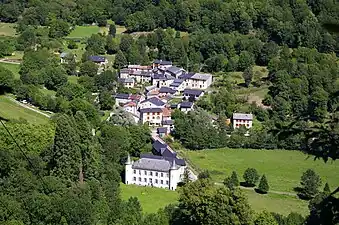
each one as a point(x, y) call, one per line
point(166, 113)
point(169, 124)
point(162, 64)
point(197, 80)
point(122, 98)
point(127, 82)
point(174, 71)
point(242, 119)
point(192, 94)
point(153, 102)
point(163, 91)
point(162, 131)
point(99, 60)
point(152, 116)
point(155, 171)
point(186, 106)
point(131, 107)
point(63, 56)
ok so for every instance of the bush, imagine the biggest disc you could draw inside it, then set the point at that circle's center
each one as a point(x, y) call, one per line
point(204, 175)
point(251, 177)
point(232, 181)
point(263, 185)
point(72, 44)
point(310, 182)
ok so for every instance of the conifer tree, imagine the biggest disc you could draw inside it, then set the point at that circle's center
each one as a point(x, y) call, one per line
point(263, 185)
point(327, 189)
point(232, 181)
point(234, 178)
point(120, 60)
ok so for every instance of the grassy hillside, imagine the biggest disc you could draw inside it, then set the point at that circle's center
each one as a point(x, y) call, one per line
point(282, 168)
point(12, 67)
point(11, 110)
point(7, 29)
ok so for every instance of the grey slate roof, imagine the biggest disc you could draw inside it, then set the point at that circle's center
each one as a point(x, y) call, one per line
point(186, 76)
point(166, 90)
point(174, 84)
point(167, 122)
point(165, 63)
point(97, 58)
point(242, 116)
point(179, 162)
point(126, 80)
point(162, 130)
point(174, 70)
point(124, 70)
point(201, 76)
point(156, 101)
point(194, 92)
point(63, 54)
point(122, 96)
point(186, 104)
point(150, 110)
point(152, 164)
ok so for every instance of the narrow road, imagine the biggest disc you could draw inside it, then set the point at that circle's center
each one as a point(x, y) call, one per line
point(273, 192)
point(27, 107)
point(9, 62)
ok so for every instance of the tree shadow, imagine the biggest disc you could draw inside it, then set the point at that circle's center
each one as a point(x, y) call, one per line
point(300, 194)
point(242, 85)
point(245, 184)
point(259, 191)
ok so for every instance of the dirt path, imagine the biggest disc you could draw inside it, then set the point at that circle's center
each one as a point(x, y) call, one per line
point(9, 62)
point(27, 107)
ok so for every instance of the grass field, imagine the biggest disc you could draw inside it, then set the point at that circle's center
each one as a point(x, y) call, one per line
point(282, 168)
point(7, 29)
point(83, 31)
point(12, 67)
point(10, 110)
point(152, 199)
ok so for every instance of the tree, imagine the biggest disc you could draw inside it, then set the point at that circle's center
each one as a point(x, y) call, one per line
point(201, 202)
point(70, 64)
point(112, 46)
point(6, 80)
point(232, 181)
point(112, 30)
point(106, 100)
point(310, 182)
point(55, 77)
point(72, 44)
point(88, 68)
point(251, 177)
point(265, 218)
point(248, 75)
point(246, 59)
point(294, 219)
point(96, 44)
point(106, 80)
point(204, 175)
point(263, 185)
point(120, 60)
point(327, 189)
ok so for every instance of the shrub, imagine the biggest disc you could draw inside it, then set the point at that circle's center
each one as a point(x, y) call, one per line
point(251, 177)
point(263, 185)
point(310, 182)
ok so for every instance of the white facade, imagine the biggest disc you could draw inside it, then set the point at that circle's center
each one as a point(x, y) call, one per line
point(153, 118)
point(167, 175)
point(242, 119)
point(198, 81)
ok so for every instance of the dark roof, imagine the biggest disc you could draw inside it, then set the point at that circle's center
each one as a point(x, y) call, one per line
point(159, 76)
point(179, 162)
point(157, 145)
point(174, 84)
point(179, 81)
point(157, 61)
point(194, 92)
point(122, 96)
point(174, 106)
point(174, 70)
point(97, 58)
point(164, 63)
point(166, 90)
point(167, 122)
point(150, 110)
point(186, 75)
point(186, 104)
point(126, 80)
point(162, 130)
point(156, 101)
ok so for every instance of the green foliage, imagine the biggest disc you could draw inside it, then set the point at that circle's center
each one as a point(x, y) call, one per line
point(88, 68)
point(6, 80)
point(265, 218)
point(120, 60)
point(232, 181)
point(106, 100)
point(223, 206)
point(72, 44)
point(248, 75)
point(112, 30)
point(204, 175)
point(96, 44)
point(327, 189)
point(310, 182)
point(263, 185)
point(251, 176)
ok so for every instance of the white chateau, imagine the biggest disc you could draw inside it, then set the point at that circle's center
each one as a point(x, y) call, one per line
point(155, 171)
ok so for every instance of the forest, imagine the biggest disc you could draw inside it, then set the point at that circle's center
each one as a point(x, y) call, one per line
point(60, 173)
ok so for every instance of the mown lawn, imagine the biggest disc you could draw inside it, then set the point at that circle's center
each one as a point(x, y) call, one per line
point(83, 31)
point(10, 110)
point(12, 67)
point(151, 199)
point(282, 168)
point(7, 29)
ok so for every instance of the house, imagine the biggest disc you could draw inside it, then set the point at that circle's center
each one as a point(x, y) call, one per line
point(174, 71)
point(141, 74)
point(139, 68)
point(193, 94)
point(153, 102)
point(155, 171)
point(162, 131)
point(178, 85)
point(162, 64)
point(63, 56)
point(159, 147)
point(152, 116)
point(169, 124)
point(186, 106)
point(124, 73)
point(196, 80)
point(101, 61)
point(163, 91)
point(242, 119)
point(127, 82)
point(131, 107)
point(166, 114)
point(122, 98)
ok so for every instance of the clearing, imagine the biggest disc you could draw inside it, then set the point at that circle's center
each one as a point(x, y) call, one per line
point(282, 168)
point(7, 29)
point(12, 67)
point(11, 110)
point(84, 31)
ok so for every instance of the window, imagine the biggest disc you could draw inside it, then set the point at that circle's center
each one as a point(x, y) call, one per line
point(145, 179)
point(147, 118)
point(139, 178)
point(139, 172)
point(162, 174)
point(167, 182)
point(153, 113)
point(150, 173)
point(158, 113)
point(145, 172)
point(134, 178)
point(161, 182)
point(150, 180)
point(166, 174)
point(134, 171)
point(153, 117)
point(156, 174)
point(156, 181)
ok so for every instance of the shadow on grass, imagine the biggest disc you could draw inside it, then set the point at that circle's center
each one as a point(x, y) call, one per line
point(300, 194)
point(245, 184)
point(259, 191)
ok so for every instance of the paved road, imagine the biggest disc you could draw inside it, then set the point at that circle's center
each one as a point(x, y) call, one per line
point(9, 62)
point(273, 192)
point(28, 107)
